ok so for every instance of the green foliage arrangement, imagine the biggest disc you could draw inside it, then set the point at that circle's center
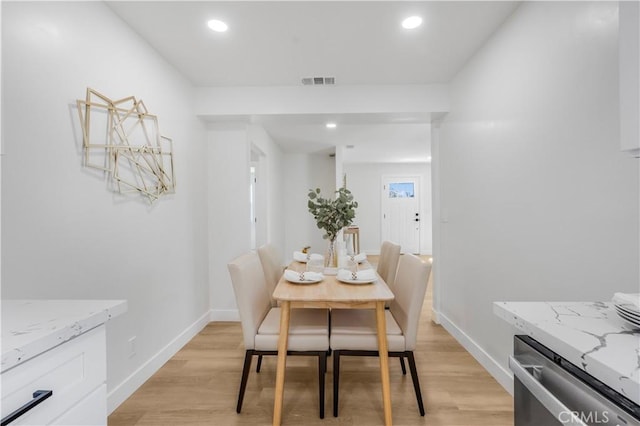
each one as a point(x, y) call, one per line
point(332, 215)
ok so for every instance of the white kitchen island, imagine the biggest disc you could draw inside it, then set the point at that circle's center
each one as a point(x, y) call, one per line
point(590, 335)
point(57, 346)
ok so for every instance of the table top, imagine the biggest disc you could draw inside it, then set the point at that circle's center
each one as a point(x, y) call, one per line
point(331, 290)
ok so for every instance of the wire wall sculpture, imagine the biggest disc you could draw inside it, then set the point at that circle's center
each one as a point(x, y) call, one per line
point(122, 139)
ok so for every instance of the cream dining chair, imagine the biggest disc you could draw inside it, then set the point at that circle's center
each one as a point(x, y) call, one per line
point(308, 331)
point(388, 262)
point(353, 332)
point(272, 266)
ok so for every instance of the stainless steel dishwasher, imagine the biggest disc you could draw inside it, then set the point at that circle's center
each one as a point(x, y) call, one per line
point(549, 390)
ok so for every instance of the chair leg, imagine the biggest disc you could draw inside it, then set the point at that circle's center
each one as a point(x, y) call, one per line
point(404, 369)
point(245, 375)
point(259, 363)
point(416, 382)
point(322, 369)
point(336, 379)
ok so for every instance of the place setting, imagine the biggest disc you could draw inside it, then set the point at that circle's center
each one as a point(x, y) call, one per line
point(302, 277)
point(365, 276)
point(313, 272)
point(305, 257)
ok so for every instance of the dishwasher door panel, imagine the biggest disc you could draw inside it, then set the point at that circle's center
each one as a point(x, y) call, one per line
point(529, 411)
point(545, 393)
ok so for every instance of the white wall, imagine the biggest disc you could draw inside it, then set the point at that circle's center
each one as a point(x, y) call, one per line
point(64, 234)
point(229, 231)
point(304, 172)
point(365, 180)
point(539, 201)
point(229, 155)
point(230, 101)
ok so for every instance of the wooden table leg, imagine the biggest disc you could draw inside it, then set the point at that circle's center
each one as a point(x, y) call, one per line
point(285, 314)
point(384, 361)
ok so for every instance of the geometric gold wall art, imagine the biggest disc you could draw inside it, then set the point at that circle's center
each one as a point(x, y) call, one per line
point(121, 138)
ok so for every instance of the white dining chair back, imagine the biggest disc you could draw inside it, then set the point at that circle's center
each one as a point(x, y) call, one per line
point(409, 291)
point(272, 265)
point(388, 262)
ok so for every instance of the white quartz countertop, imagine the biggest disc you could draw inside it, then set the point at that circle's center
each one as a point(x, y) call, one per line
point(590, 335)
point(31, 327)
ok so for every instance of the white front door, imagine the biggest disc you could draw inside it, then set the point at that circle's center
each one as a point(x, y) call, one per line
point(401, 212)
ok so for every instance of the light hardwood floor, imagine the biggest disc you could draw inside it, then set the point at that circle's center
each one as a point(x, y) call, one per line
point(199, 386)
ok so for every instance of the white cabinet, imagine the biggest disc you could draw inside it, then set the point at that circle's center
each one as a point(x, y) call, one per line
point(86, 411)
point(76, 373)
point(59, 346)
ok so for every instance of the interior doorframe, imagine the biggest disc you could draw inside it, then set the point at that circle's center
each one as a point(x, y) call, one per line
point(438, 222)
point(258, 160)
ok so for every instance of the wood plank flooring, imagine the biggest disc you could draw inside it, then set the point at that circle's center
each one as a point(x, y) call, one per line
point(199, 386)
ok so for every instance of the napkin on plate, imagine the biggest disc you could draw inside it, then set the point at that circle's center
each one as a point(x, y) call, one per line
point(291, 275)
point(627, 299)
point(358, 257)
point(299, 256)
point(364, 275)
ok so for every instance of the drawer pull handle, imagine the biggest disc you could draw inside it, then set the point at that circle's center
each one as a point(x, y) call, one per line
point(38, 397)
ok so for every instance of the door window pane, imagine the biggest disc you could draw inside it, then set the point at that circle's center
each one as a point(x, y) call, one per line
point(401, 190)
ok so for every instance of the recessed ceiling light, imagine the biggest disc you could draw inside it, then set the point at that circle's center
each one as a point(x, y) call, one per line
point(331, 125)
point(412, 22)
point(217, 25)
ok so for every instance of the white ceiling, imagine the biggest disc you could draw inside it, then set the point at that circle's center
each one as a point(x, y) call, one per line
point(357, 42)
point(366, 137)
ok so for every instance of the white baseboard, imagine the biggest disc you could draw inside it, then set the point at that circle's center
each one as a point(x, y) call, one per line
point(224, 315)
point(435, 316)
point(502, 376)
point(128, 386)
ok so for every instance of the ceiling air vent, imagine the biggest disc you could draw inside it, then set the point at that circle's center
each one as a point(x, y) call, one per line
point(318, 81)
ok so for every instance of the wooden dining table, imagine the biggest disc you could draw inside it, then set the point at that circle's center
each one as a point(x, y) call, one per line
point(333, 294)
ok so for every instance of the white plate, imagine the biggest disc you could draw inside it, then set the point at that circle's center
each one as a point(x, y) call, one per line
point(358, 281)
point(631, 321)
point(305, 281)
point(628, 314)
point(629, 309)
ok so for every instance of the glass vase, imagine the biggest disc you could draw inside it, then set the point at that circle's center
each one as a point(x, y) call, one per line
point(331, 258)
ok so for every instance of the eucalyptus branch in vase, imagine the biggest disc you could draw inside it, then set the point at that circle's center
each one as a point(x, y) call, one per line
point(331, 216)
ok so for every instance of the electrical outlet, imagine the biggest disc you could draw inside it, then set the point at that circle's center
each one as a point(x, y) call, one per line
point(132, 346)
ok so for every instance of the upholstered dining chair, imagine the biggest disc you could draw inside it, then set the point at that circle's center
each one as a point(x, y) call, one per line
point(273, 268)
point(388, 262)
point(308, 330)
point(353, 332)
